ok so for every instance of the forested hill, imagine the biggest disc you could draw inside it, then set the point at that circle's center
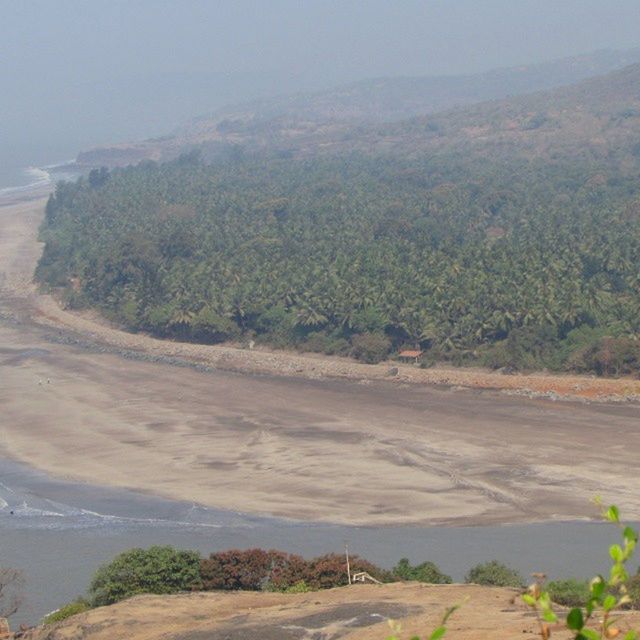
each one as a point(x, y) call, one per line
point(368, 101)
point(506, 234)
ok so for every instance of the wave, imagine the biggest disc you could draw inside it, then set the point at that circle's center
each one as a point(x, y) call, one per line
point(40, 178)
point(43, 511)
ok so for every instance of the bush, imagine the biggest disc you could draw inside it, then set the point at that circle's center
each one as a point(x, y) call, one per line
point(633, 587)
point(424, 572)
point(330, 571)
point(370, 347)
point(570, 592)
point(256, 569)
point(529, 347)
point(157, 569)
point(70, 609)
point(320, 342)
point(298, 587)
point(252, 570)
point(494, 574)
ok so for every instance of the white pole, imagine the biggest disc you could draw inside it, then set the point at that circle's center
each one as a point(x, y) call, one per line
point(346, 551)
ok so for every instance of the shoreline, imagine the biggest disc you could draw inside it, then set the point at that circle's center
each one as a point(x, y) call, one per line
point(293, 436)
point(288, 364)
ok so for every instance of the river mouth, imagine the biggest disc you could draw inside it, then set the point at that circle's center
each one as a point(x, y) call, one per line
point(59, 532)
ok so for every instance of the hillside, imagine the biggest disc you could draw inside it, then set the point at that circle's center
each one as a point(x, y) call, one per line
point(358, 612)
point(377, 100)
point(504, 234)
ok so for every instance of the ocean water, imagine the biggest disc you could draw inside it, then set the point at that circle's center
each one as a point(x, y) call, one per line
point(59, 532)
point(17, 180)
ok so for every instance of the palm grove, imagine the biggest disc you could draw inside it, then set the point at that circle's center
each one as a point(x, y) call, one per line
point(503, 254)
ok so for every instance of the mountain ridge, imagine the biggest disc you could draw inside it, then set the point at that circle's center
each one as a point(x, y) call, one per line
point(380, 101)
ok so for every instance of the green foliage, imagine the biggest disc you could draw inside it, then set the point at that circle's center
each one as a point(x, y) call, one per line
point(79, 605)
point(594, 619)
point(569, 592)
point(506, 261)
point(299, 587)
point(370, 347)
point(423, 572)
point(157, 569)
point(494, 574)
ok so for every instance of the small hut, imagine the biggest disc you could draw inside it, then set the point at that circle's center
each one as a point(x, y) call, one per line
point(410, 355)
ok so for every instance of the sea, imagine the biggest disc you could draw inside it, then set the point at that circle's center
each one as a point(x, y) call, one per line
point(17, 180)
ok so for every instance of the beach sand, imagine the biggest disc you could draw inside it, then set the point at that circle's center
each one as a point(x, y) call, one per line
point(318, 439)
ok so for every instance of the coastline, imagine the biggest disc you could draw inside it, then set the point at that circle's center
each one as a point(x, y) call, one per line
point(309, 438)
point(263, 361)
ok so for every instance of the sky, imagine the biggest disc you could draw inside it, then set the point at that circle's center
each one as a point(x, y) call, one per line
point(75, 73)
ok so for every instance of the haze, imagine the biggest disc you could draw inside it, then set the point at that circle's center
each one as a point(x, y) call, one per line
point(75, 74)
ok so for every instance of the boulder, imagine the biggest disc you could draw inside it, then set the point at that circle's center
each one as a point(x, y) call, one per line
point(5, 630)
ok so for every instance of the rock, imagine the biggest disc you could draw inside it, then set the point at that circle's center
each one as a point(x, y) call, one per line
point(392, 372)
point(508, 371)
point(5, 630)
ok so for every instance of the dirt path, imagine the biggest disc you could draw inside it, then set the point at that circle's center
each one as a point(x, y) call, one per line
point(318, 439)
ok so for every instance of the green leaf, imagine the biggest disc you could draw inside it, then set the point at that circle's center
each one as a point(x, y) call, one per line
point(609, 602)
point(549, 616)
point(438, 633)
point(588, 634)
point(529, 599)
point(631, 635)
point(598, 586)
point(616, 553)
point(631, 535)
point(613, 514)
point(575, 619)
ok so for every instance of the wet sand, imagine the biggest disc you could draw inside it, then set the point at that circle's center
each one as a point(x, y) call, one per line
point(368, 453)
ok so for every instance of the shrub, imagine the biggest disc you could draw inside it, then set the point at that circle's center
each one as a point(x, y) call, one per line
point(66, 611)
point(320, 342)
point(330, 571)
point(370, 347)
point(570, 592)
point(299, 587)
point(494, 574)
point(424, 572)
point(252, 570)
point(154, 570)
point(614, 356)
point(633, 589)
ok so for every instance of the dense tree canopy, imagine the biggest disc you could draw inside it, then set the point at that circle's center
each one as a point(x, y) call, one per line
point(510, 262)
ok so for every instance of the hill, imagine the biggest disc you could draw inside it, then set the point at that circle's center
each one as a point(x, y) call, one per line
point(356, 612)
point(368, 101)
point(504, 233)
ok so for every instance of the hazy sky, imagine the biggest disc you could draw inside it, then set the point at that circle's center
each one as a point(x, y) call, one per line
point(327, 38)
point(86, 71)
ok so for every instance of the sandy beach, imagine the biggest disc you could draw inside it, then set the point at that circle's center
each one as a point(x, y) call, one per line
point(317, 439)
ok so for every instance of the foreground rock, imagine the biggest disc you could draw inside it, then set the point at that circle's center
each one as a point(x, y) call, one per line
point(352, 612)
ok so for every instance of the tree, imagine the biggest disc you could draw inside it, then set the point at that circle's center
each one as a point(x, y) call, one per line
point(370, 347)
point(494, 574)
point(423, 572)
point(154, 570)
